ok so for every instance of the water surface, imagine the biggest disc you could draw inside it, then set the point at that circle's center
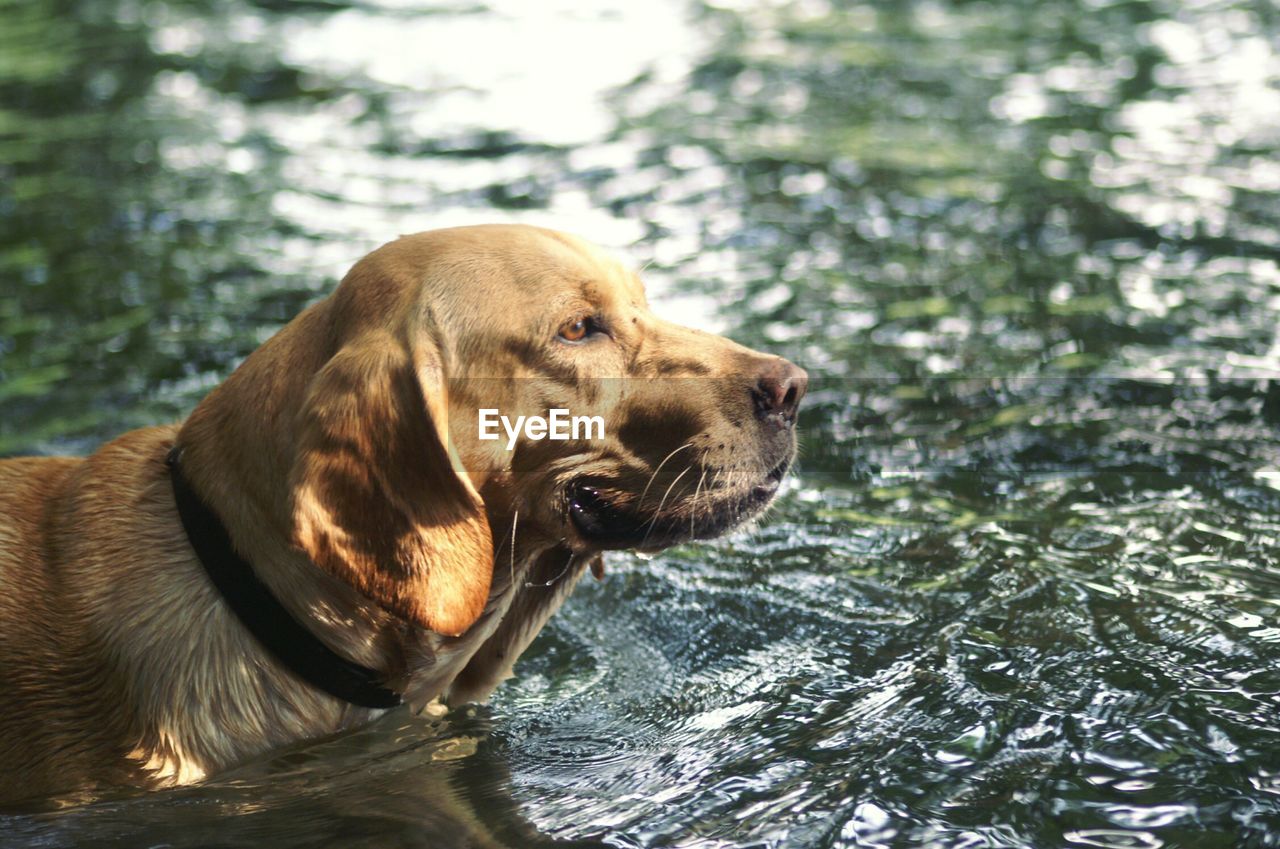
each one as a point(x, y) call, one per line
point(1024, 588)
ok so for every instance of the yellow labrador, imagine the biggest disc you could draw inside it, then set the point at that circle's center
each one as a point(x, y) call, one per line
point(336, 527)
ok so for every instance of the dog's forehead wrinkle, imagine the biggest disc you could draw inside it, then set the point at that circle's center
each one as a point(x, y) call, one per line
point(453, 269)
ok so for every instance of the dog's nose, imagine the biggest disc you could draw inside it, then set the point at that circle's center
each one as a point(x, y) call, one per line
point(778, 391)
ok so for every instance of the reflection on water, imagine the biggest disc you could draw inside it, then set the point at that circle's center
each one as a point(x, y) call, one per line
point(1025, 588)
point(175, 185)
point(402, 782)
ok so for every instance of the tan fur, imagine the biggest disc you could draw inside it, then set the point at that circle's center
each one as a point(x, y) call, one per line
point(342, 456)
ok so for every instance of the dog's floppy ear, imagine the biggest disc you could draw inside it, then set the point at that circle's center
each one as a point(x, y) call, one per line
point(376, 501)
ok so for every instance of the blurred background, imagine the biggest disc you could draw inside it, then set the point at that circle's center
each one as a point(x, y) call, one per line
point(1023, 590)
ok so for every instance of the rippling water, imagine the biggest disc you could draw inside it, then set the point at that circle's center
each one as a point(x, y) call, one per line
point(1024, 588)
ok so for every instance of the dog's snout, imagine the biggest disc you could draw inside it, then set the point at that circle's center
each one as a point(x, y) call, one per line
point(778, 391)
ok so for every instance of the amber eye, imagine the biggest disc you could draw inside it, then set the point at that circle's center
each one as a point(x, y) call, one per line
point(575, 331)
point(578, 329)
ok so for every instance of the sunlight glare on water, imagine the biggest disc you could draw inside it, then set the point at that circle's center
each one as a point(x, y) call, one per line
point(1024, 588)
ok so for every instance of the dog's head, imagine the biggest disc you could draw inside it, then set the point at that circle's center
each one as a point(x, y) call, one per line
point(459, 359)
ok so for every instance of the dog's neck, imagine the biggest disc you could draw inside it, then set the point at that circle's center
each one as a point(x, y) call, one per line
point(261, 612)
point(418, 664)
point(238, 457)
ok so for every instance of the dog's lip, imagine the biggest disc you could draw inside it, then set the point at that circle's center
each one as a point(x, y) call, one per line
point(772, 480)
point(600, 522)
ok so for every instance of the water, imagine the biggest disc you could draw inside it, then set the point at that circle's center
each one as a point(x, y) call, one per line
point(1024, 588)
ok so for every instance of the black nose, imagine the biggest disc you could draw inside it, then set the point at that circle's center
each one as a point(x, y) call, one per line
point(778, 391)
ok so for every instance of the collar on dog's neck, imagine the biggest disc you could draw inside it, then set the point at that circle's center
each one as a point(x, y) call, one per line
point(262, 613)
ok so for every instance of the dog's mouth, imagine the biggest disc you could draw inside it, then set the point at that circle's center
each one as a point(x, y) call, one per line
point(605, 519)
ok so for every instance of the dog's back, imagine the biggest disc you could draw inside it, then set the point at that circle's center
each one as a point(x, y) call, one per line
point(29, 491)
point(33, 628)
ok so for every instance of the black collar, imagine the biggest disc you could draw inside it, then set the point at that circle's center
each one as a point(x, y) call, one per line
point(262, 614)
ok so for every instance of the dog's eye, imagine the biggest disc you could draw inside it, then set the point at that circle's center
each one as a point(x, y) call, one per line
point(579, 329)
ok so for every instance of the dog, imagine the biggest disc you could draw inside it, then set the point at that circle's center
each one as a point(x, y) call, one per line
point(331, 532)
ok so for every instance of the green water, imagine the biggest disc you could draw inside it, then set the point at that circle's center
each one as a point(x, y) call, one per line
point(1024, 588)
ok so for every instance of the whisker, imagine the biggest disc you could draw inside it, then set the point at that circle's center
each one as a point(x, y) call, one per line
point(567, 564)
point(514, 519)
point(693, 504)
point(654, 476)
point(658, 513)
point(719, 477)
